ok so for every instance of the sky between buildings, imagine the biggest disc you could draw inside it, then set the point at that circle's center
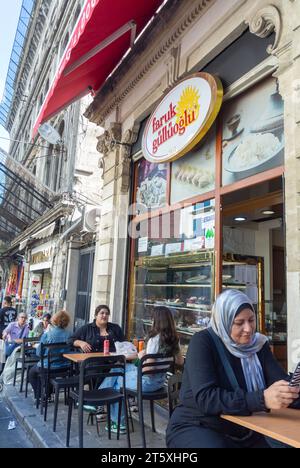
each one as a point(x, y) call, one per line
point(10, 11)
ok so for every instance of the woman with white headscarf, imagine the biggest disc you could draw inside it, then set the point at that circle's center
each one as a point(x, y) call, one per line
point(229, 370)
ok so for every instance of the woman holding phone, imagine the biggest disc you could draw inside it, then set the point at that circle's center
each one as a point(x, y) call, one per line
point(229, 370)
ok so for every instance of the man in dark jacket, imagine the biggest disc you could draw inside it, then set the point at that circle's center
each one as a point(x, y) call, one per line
point(7, 314)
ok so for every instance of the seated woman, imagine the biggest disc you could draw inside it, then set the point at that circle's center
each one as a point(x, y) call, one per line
point(90, 338)
point(56, 334)
point(162, 339)
point(257, 382)
point(42, 326)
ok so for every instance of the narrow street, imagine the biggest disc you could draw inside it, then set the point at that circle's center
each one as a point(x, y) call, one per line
point(15, 438)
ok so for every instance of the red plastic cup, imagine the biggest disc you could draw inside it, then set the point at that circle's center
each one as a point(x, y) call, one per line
point(106, 347)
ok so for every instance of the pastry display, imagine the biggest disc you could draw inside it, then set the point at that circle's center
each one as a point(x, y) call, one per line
point(253, 151)
point(195, 176)
point(196, 279)
point(152, 192)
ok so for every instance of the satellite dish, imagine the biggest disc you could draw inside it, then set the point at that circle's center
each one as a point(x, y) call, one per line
point(49, 134)
point(91, 218)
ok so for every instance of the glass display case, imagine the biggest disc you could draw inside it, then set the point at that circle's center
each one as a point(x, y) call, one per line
point(245, 273)
point(276, 322)
point(185, 283)
point(178, 271)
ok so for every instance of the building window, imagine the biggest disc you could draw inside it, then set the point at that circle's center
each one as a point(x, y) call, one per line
point(48, 161)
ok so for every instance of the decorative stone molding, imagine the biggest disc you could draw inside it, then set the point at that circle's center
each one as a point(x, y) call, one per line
point(110, 138)
point(130, 137)
point(173, 64)
point(264, 22)
point(96, 112)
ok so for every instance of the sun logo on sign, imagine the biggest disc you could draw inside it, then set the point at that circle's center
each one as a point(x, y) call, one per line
point(188, 107)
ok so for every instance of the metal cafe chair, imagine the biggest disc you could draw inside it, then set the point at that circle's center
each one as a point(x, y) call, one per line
point(91, 368)
point(51, 357)
point(67, 383)
point(159, 364)
point(27, 359)
point(174, 385)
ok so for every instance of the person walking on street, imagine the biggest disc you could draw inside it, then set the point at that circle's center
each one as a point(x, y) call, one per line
point(8, 314)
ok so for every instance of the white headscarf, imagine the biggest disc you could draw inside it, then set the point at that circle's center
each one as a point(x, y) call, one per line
point(223, 315)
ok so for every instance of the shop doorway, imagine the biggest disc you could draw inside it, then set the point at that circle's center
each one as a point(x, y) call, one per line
point(254, 256)
point(84, 287)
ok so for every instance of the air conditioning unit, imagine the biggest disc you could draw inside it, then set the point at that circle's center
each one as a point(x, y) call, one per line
point(91, 219)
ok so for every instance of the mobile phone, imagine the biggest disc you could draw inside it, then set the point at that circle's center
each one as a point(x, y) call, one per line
point(295, 380)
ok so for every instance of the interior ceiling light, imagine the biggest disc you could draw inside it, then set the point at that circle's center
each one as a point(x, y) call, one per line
point(268, 212)
point(240, 219)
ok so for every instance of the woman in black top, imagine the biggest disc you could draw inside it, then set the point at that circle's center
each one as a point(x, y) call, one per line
point(90, 338)
point(207, 390)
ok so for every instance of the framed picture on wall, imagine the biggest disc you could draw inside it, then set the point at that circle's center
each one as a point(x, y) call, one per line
point(151, 190)
point(253, 132)
point(194, 173)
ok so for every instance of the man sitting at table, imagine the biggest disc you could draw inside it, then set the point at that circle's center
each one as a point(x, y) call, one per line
point(15, 330)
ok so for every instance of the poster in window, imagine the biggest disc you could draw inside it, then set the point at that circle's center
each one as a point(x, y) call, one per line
point(151, 190)
point(194, 174)
point(253, 133)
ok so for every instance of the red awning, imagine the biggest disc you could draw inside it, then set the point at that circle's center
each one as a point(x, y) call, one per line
point(103, 34)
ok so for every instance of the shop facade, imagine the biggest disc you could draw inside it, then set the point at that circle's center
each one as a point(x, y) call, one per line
point(224, 214)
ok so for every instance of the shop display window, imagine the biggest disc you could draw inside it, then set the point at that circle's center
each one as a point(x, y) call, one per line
point(188, 241)
point(175, 271)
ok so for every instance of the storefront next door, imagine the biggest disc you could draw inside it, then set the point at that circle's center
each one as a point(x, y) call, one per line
point(84, 287)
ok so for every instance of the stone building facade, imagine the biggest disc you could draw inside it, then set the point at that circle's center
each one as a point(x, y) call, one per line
point(182, 39)
point(52, 243)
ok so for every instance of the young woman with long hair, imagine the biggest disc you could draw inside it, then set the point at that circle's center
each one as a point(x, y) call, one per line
point(162, 339)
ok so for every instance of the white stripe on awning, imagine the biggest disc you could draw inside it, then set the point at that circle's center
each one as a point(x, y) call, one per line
point(45, 232)
point(23, 244)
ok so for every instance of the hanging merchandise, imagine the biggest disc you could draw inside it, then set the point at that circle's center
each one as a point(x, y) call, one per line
point(11, 288)
point(35, 288)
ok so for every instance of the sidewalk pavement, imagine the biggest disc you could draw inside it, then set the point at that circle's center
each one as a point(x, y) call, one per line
point(41, 434)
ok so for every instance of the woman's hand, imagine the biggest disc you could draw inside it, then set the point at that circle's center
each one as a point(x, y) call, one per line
point(280, 395)
point(141, 354)
point(85, 347)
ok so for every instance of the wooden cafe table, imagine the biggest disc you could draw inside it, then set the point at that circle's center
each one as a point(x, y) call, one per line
point(281, 425)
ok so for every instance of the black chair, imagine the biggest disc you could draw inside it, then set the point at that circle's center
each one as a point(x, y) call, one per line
point(160, 364)
point(92, 368)
point(53, 364)
point(67, 383)
point(27, 359)
point(174, 385)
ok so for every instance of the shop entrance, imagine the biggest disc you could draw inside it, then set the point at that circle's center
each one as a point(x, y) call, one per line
point(254, 256)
